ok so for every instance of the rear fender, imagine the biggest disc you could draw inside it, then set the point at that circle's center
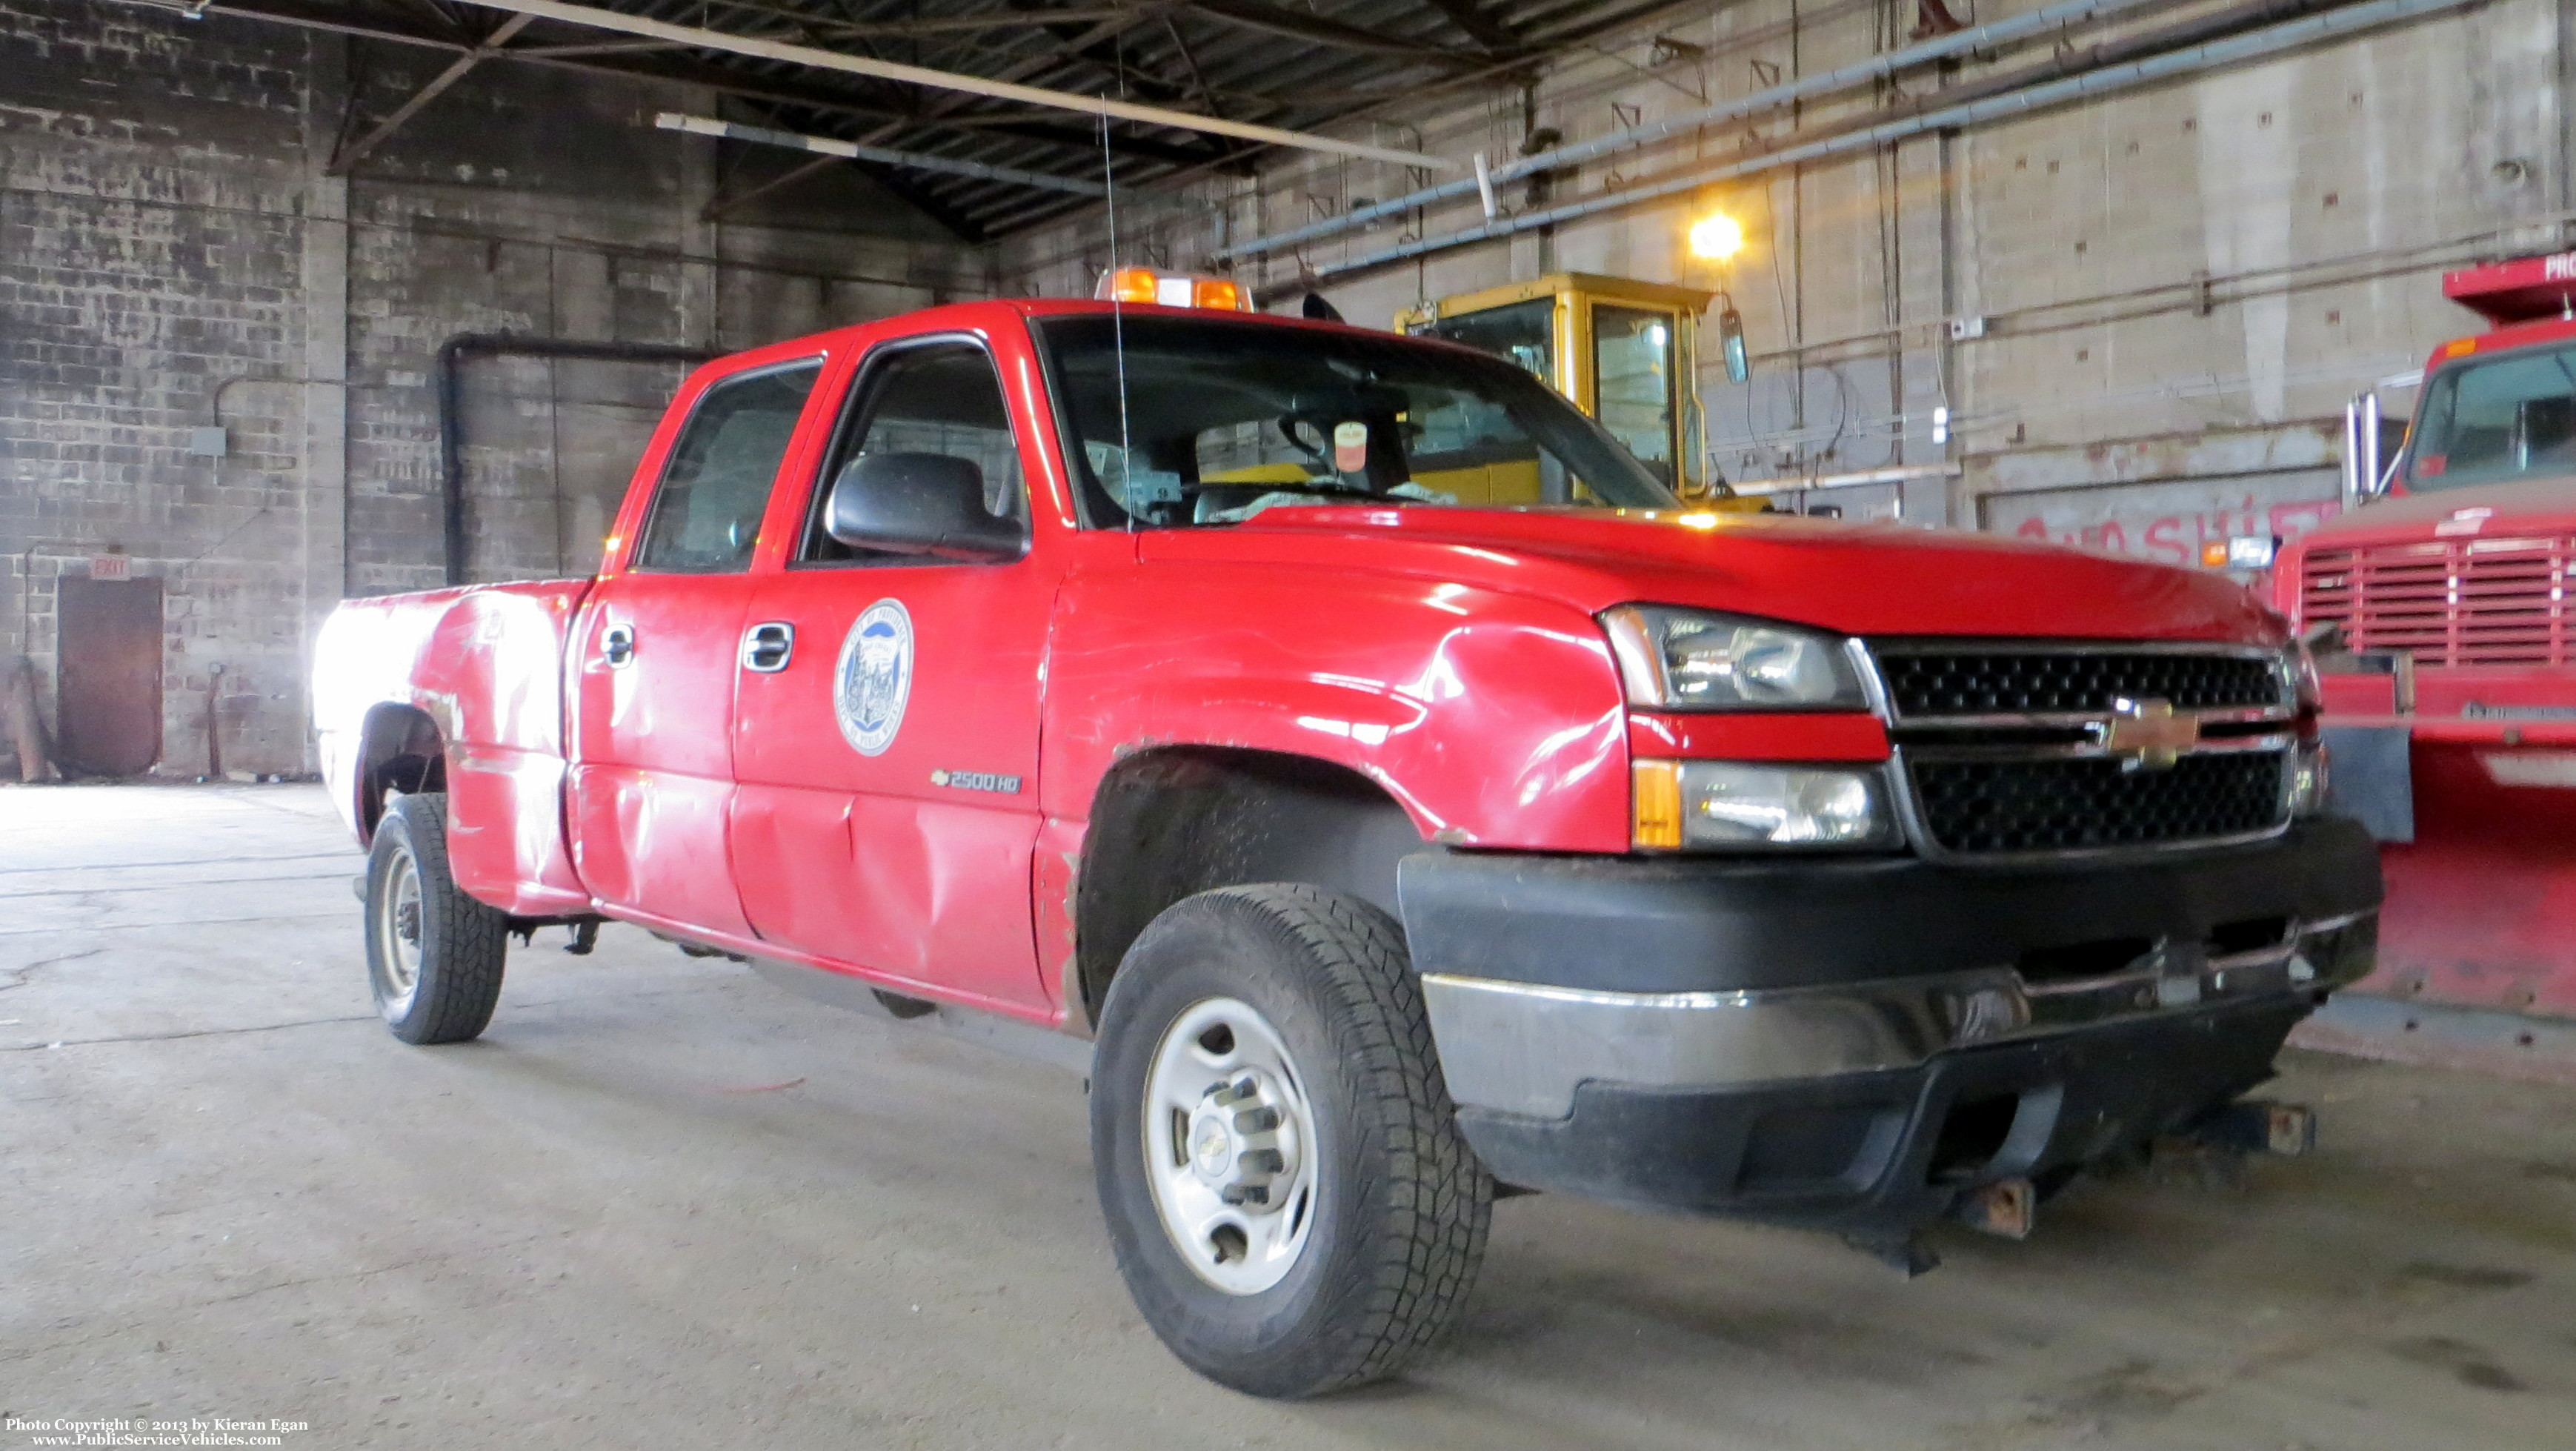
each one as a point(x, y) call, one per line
point(476, 708)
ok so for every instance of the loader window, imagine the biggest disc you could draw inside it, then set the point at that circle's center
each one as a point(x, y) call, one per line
point(1204, 422)
point(2495, 421)
point(1632, 381)
point(706, 513)
point(1524, 332)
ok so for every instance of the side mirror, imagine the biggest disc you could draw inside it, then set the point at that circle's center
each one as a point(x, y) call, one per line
point(1730, 344)
point(919, 503)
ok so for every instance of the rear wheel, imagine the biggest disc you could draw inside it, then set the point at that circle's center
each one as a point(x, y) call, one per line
point(434, 954)
point(1290, 1200)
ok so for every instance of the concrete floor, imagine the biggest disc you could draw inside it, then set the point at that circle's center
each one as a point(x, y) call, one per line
point(664, 1204)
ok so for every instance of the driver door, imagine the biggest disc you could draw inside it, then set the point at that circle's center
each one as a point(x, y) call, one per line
point(886, 744)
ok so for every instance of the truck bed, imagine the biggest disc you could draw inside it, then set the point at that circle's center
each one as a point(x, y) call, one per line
point(485, 665)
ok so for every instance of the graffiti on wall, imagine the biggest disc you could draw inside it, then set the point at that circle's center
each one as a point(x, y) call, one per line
point(2168, 522)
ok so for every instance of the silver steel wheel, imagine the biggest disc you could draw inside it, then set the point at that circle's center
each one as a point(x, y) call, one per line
point(398, 935)
point(1230, 1146)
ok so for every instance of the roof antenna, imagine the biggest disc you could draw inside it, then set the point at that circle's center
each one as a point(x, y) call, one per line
point(1118, 333)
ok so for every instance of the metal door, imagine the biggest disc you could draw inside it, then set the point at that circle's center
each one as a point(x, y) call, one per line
point(107, 687)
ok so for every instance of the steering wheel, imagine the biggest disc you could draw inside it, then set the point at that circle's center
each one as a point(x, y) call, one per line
point(1288, 431)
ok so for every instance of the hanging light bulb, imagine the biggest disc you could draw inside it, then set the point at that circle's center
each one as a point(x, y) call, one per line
point(1716, 237)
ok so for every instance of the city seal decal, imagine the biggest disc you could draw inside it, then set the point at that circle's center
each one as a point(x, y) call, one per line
point(875, 677)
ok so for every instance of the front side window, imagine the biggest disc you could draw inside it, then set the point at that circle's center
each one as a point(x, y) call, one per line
point(706, 512)
point(2496, 421)
point(941, 398)
point(1201, 421)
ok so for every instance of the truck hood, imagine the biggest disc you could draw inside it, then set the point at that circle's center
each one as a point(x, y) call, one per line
point(2523, 506)
point(1857, 578)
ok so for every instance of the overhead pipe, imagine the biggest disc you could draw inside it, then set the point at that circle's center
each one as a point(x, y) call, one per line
point(451, 406)
point(835, 146)
point(2104, 81)
point(702, 38)
point(2061, 15)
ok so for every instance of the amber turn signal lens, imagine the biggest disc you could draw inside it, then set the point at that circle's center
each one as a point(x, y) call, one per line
point(1130, 284)
point(1655, 793)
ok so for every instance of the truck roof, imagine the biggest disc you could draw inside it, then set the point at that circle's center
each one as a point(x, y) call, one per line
point(2526, 289)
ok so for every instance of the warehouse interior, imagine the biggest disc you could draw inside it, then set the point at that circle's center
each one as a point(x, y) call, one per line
point(312, 301)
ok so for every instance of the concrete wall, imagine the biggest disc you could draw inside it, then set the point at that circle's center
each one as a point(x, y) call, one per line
point(174, 257)
point(2177, 286)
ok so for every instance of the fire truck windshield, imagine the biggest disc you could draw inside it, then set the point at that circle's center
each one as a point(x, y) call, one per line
point(2496, 420)
point(1205, 420)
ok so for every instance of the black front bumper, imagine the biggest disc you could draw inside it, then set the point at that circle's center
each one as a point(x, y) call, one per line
point(1876, 1155)
point(1852, 1044)
point(1683, 924)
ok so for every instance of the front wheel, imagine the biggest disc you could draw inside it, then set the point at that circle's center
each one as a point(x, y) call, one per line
point(434, 954)
point(1290, 1200)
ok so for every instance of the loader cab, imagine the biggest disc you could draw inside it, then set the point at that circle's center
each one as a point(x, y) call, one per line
point(1624, 351)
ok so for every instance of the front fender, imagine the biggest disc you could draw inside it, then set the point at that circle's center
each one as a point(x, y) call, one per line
point(1494, 719)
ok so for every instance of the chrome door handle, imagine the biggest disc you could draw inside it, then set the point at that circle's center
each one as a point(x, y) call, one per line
point(617, 645)
point(765, 647)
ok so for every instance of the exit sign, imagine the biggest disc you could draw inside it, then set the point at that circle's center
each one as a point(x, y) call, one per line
point(111, 566)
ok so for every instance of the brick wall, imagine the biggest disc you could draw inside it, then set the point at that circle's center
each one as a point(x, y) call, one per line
point(170, 253)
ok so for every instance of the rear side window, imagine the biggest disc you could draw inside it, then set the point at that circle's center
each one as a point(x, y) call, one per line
point(706, 513)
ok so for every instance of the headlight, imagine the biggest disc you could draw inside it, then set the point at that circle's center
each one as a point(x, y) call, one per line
point(2308, 780)
point(1685, 804)
point(1674, 659)
point(2299, 673)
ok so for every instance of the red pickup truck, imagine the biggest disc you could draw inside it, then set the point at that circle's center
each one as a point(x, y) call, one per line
point(1406, 796)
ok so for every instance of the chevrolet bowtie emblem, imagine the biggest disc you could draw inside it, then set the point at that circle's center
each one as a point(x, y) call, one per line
point(2146, 734)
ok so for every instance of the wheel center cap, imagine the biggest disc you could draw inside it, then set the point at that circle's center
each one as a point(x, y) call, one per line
point(1211, 1148)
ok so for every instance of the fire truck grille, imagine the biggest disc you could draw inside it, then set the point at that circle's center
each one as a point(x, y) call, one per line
point(2012, 682)
point(2448, 602)
point(1989, 807)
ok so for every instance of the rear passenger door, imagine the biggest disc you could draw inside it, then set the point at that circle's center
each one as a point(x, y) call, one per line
point(653, 662)
point(887, 744)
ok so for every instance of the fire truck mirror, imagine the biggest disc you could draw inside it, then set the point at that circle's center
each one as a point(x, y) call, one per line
point(919, 503)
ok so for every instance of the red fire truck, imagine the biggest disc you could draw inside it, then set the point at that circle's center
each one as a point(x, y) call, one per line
point(2440, 615)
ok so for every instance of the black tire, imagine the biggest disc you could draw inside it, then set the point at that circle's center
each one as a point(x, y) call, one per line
point(1400, 1203)
point(451, 945)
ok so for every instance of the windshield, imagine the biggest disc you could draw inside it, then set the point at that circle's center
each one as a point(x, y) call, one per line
point(2495, 421)
point(1226, 419)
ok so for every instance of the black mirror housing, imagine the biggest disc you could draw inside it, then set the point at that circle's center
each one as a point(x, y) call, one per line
point(919, 503)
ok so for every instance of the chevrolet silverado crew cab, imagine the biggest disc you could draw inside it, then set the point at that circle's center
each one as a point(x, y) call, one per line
point(1404, 794)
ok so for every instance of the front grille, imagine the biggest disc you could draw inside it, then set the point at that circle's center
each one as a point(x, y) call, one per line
point(2028, 682)
point(2079, 804)
point(2449, 601)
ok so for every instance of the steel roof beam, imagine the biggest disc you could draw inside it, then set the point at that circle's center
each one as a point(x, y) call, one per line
point(853, 151)
point(1297, 25)
point(582, 60)
point(922, 76)
point(1479, 27)
point(356, 151)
